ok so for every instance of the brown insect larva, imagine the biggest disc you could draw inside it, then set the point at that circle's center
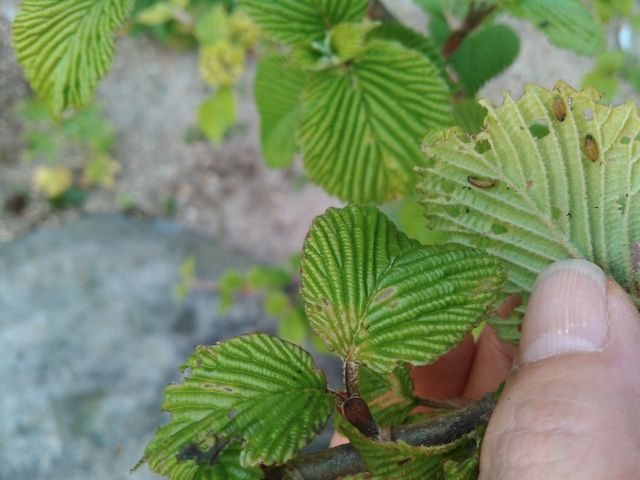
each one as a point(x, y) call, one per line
point(591, 148)
point(559, 108)
point(357, 412)
point(481, 182)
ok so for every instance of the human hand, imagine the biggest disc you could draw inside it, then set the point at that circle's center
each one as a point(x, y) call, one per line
point(571, 408)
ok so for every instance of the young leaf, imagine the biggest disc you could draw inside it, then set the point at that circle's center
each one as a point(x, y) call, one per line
point(66, 46)
point(567, 23)
point(217, 114)
point(294, 21)
point(278, 89)
point(362, 122)
point(410, 39)
point(377, 298)
point(483, 55)
point(573, 193)
point(388, 395)
point(257, 389)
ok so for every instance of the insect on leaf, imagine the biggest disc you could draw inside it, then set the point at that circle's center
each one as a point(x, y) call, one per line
point(571, 192)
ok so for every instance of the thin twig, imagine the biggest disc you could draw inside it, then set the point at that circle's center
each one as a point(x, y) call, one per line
point(377, 11)
point(344, 460)
point(475, 16)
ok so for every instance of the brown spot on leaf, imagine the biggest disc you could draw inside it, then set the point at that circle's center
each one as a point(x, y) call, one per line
point(559, 109)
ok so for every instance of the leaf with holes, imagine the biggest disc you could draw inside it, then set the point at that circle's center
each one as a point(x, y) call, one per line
point(294, 21)
point(377, 298)
point(257, 389)
point(409, 462)
point(554, 175)
point(388, 395)
point(66, 46)
point(567, 23)
point(362, 122)
point(483, 55)
point(278, 89)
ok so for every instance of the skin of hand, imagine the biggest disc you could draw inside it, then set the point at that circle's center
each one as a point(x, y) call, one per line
point(571, 404)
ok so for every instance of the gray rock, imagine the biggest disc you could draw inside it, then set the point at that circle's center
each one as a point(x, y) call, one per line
point(90, 333)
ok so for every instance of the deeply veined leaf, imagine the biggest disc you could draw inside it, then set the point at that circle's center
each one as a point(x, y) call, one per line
point(483, 55)
point(377, 298)
point(294, 21)
point(531, 201)
point(66, 46)
point(469, 115)
point(257, 389)
point(362, 121)
point(388, 395)
point(399, 459)
point(567, 23)
point(218, 462)
point(279, 86)
point(217, 114)
point(411, 39)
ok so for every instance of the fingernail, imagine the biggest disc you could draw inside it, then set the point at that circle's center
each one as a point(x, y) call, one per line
point(567, 312)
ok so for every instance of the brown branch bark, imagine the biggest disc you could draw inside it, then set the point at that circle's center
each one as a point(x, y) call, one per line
point(475, 16)
point(344, 460)
point(377, 11)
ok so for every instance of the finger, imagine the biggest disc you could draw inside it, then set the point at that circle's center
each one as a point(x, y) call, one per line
point(571, 410)
point(446, 377)
point(491, 364)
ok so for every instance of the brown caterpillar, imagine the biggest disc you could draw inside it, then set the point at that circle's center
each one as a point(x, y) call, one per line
point(591, 148)
point(559, 108)
point(481, 182)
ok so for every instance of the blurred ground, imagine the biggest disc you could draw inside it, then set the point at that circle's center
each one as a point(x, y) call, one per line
point(89, 328)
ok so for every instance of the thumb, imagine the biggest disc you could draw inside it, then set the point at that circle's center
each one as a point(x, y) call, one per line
point(572, 409)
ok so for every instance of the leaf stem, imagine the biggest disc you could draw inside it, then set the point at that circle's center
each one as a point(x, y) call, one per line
point(344, 460)
point(351, 379)
point(377, 11)
point(475, 16)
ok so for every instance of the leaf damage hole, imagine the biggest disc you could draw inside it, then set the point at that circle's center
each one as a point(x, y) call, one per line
point(588, 114)
point(539, 129)
point(233, 413)
point(625, 140)
point(192, 451)
point(482, 146)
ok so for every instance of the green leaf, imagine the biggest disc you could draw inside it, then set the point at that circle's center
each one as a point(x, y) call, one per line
point(483, 55)
point(399, 459)
point(469, 115)
point(213, 463)
point(412, 40)
point(377, 298)
point(294, 21)
point(217, 114)
point(532, 201)
point(212, 27)
point(388, 395)
point(278, 89)
point(362, 123)
point(257, 389)
point(567, 23)
point(66, 46)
